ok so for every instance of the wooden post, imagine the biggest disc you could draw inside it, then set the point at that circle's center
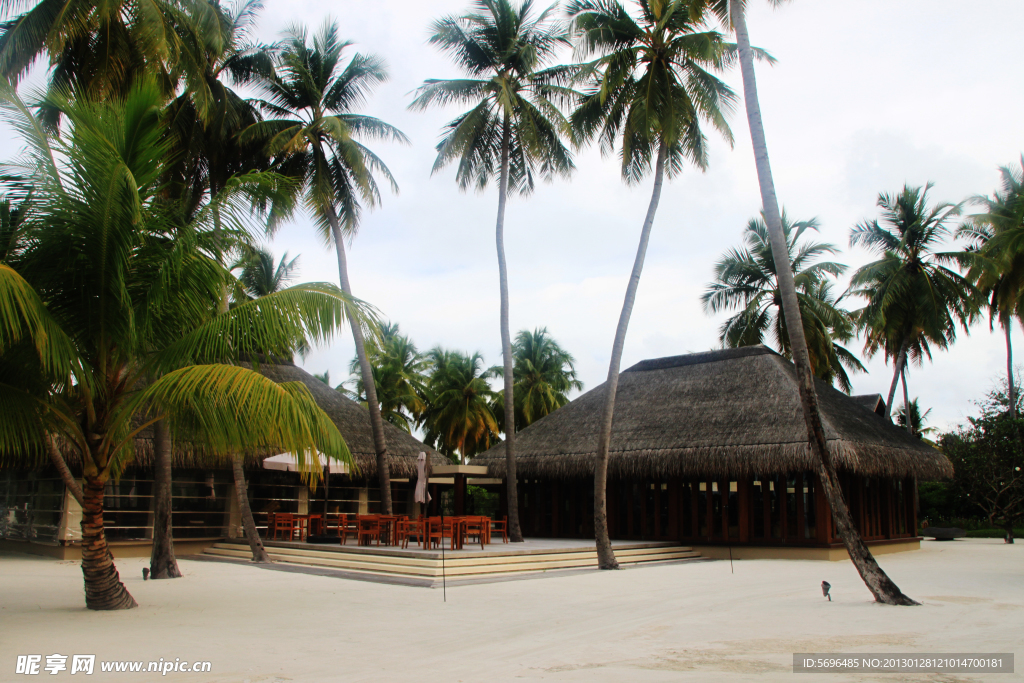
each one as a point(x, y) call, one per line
point(743, 495)
point(460, 495)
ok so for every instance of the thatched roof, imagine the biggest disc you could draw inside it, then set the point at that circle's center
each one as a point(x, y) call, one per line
point(734, 412)
point(352, 420)
point(873, 402)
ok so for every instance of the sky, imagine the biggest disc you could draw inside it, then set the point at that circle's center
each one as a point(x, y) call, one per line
point(865, 97)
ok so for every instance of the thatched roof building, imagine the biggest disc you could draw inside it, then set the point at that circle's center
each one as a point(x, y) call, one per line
point(733, 412)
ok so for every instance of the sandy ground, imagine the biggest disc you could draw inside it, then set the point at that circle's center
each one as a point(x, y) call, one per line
point(689, 622)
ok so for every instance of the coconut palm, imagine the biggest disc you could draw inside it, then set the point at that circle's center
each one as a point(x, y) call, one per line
point(108, 324)
point(314, 132)
point(649, 90)
point(917, 418)
point(745, 279)
point(544, 373)
point(458, 418)
point(513, 130)
point(732, 14)
point(398, 372)
point(914, 301)
point(260, 276)
point(995, 257)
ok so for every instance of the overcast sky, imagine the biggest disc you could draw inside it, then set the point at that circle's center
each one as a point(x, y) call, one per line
point(865, 96)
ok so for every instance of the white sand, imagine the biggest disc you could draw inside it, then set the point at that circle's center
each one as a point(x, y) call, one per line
point(690, 622)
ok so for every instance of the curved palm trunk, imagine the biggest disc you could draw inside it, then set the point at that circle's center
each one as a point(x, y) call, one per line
point(901, 360)
point(605, 554)
point(259, 553)
point(162, 563)
point(103, 587)
point(880, 585)
point(1010, 389)
point(62, 467)
point(515, 533)
point(906, 401)
point(376, 423)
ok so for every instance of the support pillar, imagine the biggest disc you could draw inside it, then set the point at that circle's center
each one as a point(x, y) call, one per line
point(460, 494)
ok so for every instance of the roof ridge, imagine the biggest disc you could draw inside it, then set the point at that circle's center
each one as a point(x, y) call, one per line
point(700, 357)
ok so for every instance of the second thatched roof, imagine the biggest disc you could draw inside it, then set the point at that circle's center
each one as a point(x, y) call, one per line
point(734, 412)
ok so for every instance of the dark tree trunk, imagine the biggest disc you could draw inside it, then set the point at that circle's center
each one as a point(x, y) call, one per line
point(880, 585)
point(901, 359)
point(162, 563)
point(103, 587)
point(605, 554)
point(906, 402)
point(369, 386)
point(259, 553)
point(1009, 532)
point(1010, 389)
point(515, 533)
point(65, 474)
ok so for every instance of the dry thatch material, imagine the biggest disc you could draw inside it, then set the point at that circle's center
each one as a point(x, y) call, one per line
point(873, 402)
point(352, 420)
point(732, 413)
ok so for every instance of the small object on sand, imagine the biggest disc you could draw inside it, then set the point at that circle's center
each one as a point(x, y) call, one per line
point(943, 533)
point(145, 573)
point(825, 586)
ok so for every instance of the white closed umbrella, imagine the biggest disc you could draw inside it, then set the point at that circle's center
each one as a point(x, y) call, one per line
point(421, 479)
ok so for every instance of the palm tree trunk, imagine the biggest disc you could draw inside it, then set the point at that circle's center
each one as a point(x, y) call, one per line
point(62, 467)
point(906, 401)
point(901, 359)
point(605, 554)
point(515, 533)
point(103, 587)
point(376, 423)
point(880, 585)
point(162, 563)
point(259, 553)
point(1010, 389)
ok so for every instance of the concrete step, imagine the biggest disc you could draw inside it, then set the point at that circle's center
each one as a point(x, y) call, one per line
point(502, 562)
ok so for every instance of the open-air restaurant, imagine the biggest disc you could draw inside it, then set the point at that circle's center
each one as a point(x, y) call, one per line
point(392, 530)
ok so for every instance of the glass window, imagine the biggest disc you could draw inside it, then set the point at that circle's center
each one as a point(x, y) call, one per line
point(686, 509)
point(757, 508)
point(663, 510)
point(716, 510)
point(734, 510)
point(702, 510)
point(775, 503)
point(792, 509)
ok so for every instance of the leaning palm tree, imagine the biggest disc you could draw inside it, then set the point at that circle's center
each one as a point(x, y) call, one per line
point(457, 419)
point(651, 86)
point(995, 257)
point(514, 130)
point(745, 279)
point(108, 323)
point(315, 132)
point(545, 373)
point(731, 12)
point(914, 301)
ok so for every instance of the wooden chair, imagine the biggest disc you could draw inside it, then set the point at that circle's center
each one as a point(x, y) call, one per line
point(440, 530)
point(500, 526)
point(409, 528)
point(369, 529)
point(476, 526)
point(270, 525)
point(316, 525)
point(284, 524)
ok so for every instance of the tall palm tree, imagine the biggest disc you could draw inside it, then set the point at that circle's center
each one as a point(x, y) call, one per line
point(731, 12)
point(109, 291)
point(514, 128)
point(995, 257)
point(914, 301)
point(917, 419)
point(544, 373)
point(745, 279)
point(458, 418)
point(315, 132)
point(399, 374)
point(650, 88)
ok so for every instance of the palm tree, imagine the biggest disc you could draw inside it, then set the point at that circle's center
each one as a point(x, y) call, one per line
point(315, 134)
point(913, 300)
point(745, 279)
point(995, 257)
point(398, 373)
point(514, 128)
point(107, 325)
point(731, 12)
point(652, 86)
point(544, 373)
point(260, 276)
point(458, 418)
point(917, 419)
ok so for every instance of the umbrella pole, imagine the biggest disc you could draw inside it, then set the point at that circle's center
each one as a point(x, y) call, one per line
point(444, 580)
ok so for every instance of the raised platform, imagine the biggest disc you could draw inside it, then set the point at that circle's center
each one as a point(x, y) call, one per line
point(501, 559)
point(833, 553)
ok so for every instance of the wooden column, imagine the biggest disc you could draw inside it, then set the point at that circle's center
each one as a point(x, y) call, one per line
point(460, 495)
point(824, 514)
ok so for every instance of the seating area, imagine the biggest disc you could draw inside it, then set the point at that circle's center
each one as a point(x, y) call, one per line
point(388, 530)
